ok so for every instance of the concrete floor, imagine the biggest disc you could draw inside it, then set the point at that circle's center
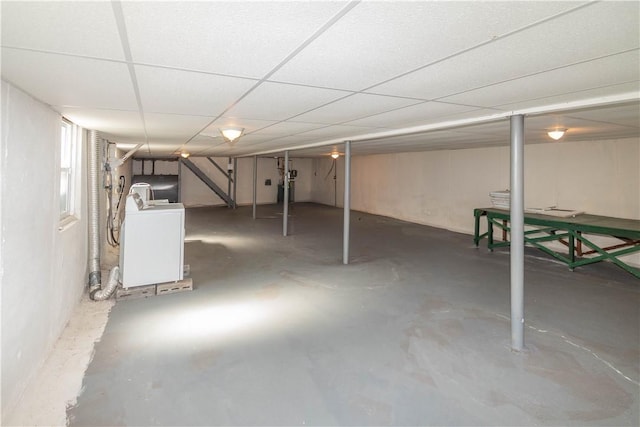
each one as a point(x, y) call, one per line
point(414, 332)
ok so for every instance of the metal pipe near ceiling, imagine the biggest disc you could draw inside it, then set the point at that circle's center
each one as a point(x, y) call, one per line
point(285, 202)
point(452, 124)
point(517, 232)
point(347, 202)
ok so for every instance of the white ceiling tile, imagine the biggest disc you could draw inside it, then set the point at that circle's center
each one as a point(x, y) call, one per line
point(80, 28)
point(576, 96)
point(174, 126)
point(290, 128)
point(284, 143)
point(379, 40)
point(230, 37)
point(518, 55)
point(608, 71)
point(421, 113)
point(249, 125)
point(352, 108)
point(70, 81)
point(337, 131)
point(448, 119)
point(126, 124)
point(623, 115)
point(371, 43)
point(276, 101)
point(183, 92)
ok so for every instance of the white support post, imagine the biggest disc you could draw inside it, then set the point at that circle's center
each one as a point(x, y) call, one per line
point(285, 214)
point(517, 232)
point(347, 201)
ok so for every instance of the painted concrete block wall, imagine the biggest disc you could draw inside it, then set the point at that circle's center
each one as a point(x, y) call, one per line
point(441, 188)
point(43, 269)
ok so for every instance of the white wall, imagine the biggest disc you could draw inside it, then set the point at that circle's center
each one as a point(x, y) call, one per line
point(441, 188)
point(194, 192)
point(43, 269)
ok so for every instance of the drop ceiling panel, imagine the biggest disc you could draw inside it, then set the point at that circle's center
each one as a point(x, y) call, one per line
point(580, 95)
point(276, 101)
point(419, 113)
point(80, 28)
point(379, 40)
point(623, 115)
point(278, 144)
point(614, 69)
point(338, 131)
point(203, 142)
point(174, 126)
point(518, 55)
point(354, 107)
point(289, 128)
point(222, 36)
point(577, 128)
point(183, 92)
point(249, 125)
point(113, 122)
point(70, 81)
point(473, 66)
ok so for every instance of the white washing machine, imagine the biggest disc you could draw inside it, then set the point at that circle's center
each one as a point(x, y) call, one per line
point(152, 243)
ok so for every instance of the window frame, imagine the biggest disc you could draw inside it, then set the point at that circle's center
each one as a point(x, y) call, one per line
point(68, 169)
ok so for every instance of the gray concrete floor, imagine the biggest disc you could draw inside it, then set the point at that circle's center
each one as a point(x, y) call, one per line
point(414, 332)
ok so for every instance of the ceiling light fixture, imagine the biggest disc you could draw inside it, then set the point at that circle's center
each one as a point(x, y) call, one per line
point(335, 155)
point(184, 154)
point(556, 134)
point(231, 134)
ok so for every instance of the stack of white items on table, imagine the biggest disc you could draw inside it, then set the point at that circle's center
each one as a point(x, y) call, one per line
point(554, 211)
point(500, 199)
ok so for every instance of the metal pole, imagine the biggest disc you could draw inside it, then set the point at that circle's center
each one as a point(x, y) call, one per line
point(517, 232)
point(255, 184)
point(180, 180)
point(229, 178)
point(285, 215)
point(235, 182)
point(347, 201)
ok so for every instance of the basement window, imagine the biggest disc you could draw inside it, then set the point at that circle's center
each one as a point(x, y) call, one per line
point(68, 158)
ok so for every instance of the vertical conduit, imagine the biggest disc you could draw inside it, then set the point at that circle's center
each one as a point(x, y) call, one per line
point(347, 201)
point(285, 214)
point(517, 232)
point(94, 212)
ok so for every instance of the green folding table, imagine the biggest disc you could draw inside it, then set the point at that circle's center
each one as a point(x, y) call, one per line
point(570, 232)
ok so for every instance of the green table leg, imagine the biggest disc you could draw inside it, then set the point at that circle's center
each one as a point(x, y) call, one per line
point(489, 233)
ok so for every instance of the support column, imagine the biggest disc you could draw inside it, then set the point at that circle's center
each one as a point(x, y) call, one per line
point(285, 202)
point(347, 201)
point(229, 178)
point(255, 184)
point(179, 179)
point(235, 181)
point(517, 233)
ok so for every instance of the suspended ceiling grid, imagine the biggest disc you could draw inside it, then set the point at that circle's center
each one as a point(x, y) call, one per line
point(306, 74)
